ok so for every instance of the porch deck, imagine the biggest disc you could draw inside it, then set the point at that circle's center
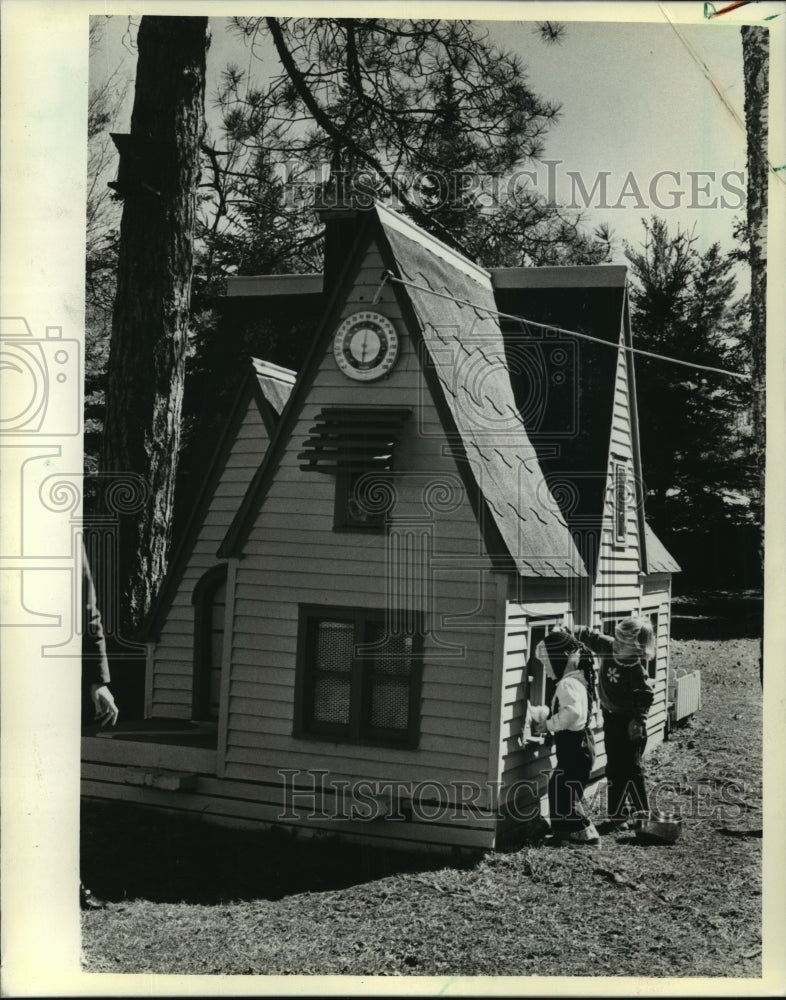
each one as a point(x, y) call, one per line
point(169, 744)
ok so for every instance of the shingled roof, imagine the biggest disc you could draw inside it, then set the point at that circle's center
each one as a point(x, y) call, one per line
point(463, 352)
point(466, 351)
point(275, 384)
point(659, 559)
point(529, 408)
point(564, 386)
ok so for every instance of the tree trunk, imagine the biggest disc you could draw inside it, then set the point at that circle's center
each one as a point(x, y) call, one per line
point(756, 56)
point(157, 178)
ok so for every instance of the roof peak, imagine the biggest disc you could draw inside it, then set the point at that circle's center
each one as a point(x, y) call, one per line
point(270, 370)
point(401, 224)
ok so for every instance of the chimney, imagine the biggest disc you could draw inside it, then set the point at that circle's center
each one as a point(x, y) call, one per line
point(337, 209)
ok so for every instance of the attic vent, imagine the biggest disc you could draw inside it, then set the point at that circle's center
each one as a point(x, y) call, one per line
point(353, 439)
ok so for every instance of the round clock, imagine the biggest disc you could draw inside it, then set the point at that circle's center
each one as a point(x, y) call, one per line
point(365, 346)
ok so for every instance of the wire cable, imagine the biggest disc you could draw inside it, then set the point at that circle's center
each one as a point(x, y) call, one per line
point(389, 276)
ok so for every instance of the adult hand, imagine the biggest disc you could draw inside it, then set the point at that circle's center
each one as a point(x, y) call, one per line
point(104, 703)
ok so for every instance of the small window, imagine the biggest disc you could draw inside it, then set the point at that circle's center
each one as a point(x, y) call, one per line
point(652, 665)
point(540, 687)
point(610, 620)
point(357, 681)
point(363, 501)
point(609, 625)
point(620, 503)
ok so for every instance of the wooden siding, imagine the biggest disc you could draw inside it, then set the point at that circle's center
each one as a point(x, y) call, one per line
point(659, 602)
point(523, 771)
point(170, 683)
point(620, 586)
point(315, 809)
point(617, 584)
point(293, 556)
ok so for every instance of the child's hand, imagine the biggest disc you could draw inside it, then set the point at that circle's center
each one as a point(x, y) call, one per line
point(635, 730)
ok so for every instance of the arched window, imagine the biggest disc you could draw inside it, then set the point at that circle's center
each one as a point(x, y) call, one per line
point(209, 600)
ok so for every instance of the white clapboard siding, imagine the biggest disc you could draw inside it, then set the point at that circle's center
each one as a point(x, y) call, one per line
point(523, 771)
point(617, 584)
point(659, 602)
point(618, 587)
point(312, 813)
point(292, 557)
point(173, 656)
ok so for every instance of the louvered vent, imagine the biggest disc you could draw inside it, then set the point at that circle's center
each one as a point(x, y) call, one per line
point(357, 439)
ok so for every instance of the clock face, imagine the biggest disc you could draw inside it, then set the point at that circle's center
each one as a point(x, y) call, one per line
point(365, 346)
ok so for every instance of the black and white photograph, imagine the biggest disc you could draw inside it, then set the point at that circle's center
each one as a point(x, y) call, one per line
point(392, 488)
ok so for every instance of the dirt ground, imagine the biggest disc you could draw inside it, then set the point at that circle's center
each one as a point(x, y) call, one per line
point(623, 909)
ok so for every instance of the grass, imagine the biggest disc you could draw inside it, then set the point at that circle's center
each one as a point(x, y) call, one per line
point(188, 898)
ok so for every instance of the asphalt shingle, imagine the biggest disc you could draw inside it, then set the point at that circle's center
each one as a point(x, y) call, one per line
point(471, 367)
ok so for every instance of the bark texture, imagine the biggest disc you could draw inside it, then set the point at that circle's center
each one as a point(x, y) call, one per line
point(158, 179)
point(756, 61)
point(755, 49)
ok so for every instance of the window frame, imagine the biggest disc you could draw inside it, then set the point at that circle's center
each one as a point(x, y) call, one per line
point(614, 617)
point(654, 616)
point(620, 481)
point(535, 668)
point(202, 600)
point(357, 731)
point(344, 486)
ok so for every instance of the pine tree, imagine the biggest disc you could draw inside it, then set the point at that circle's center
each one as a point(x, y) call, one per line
point(158, 178)
point(399, 100)
point(694, 431)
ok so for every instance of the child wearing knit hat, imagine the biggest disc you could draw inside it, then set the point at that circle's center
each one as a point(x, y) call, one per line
point(626, 696)
point(568, 720)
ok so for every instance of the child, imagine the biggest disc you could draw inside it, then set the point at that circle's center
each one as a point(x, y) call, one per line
point(625, 697)
point(571, 710)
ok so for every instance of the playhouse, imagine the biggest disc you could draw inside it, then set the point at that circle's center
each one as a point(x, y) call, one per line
point(345, 643)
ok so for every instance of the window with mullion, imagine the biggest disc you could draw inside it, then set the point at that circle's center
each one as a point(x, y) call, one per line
point(386, 680)
point(355, 681)
point(330, 646)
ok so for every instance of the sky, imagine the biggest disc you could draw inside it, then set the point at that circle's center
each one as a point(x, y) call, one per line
point(634, 100)
point(652, 116)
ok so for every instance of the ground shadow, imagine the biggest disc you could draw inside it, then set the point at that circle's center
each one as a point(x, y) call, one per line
point(130, 852)
point(717, 615)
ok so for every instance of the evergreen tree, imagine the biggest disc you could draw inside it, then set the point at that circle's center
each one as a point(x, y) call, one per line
point(157, 178)
point(102, 220)
point(406, 102)
point(694, 428)
point(426, 114)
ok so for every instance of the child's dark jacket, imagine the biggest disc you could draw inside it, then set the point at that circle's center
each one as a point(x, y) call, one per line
point(623, 688)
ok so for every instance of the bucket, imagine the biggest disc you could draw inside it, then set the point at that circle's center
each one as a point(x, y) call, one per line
point(657, 826)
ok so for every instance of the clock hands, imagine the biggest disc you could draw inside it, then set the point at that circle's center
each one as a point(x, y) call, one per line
point(365, 346)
